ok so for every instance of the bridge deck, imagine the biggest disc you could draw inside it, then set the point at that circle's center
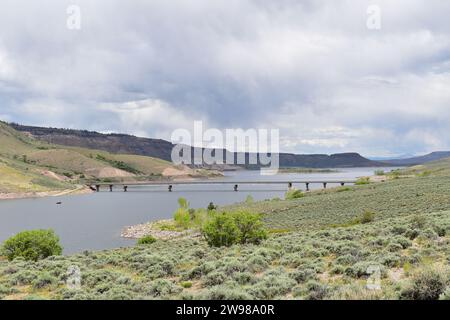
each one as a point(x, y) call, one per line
point(197, 182)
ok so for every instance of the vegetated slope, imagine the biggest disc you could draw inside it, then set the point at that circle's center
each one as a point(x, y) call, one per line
point(157, 148)
point(29, 165)
point(433, 156)
point(317, 250)
point(436, 168)
point(338, 206)
point(18, 178)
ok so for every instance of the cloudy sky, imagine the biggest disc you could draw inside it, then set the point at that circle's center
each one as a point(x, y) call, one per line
point(313, 69)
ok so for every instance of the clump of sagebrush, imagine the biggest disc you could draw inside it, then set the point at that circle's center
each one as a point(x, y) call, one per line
point(32, 245)
point(294, 194)
point(367, 216)
point(362, 181)
point(146, 240)
point(379, 172)
point(427, 284)
point(228, 228)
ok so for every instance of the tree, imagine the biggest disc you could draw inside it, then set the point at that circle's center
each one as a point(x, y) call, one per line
point(32, 245)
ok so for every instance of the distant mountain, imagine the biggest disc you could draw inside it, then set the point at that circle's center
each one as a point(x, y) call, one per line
point(128, 144)
point(438, 155)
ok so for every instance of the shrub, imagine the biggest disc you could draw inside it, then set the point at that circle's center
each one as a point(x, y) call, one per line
point(32, 245)
point(182, 218)
point(211, 207)
point(186, 284)
point(44, 280)
point(316, 290)
point(146, 240)
point(294, 194)
point(427, 284)
point(163, 287)
point(367, 217)
point(221, 230)
point(224, 293)
point(445, 295)
point(419, 221)
point(251, 229)
point(379, 172)
point(362, 181)
point(226, 229)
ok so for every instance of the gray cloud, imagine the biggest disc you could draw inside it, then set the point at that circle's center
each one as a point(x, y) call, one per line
point(310, 68)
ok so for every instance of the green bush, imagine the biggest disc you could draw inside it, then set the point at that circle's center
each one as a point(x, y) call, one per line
point(186, 284)
point(32, 245)
point(367, 216)
point(250, 227)
point(226, 229)
point(146, 240)
point(294, 194)
point(221, 231)
point(362, 181)
point(182, 216)
point(379, 172)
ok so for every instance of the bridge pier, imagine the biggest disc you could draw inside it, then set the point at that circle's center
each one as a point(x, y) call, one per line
point(170, 188)
point(97, 188)
point(125, 188)
point(235, 187)
point(307, 186)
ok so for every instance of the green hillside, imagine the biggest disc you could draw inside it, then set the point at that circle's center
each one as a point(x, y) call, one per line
point(31, 165)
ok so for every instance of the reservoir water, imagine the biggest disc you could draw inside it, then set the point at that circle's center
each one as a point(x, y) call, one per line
point(94, 221)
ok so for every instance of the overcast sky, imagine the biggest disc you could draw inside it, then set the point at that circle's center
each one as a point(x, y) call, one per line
point(313, 69)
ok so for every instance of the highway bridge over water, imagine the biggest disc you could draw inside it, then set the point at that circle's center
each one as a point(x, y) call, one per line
point(234, 184)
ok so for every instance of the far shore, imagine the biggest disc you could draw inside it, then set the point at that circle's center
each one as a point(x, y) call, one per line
point(56, 193)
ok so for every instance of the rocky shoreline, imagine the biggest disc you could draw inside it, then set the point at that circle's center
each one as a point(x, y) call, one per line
point(154, 229)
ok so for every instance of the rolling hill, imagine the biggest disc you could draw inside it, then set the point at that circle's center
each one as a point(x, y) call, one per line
point(29, 165)
point(433, 156)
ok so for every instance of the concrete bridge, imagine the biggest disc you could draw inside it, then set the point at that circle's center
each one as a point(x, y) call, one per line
point(235, 184)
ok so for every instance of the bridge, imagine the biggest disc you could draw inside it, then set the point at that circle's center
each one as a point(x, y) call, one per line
point(170, 184)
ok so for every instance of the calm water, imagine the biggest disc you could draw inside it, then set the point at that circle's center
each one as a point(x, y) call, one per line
point(94, 221)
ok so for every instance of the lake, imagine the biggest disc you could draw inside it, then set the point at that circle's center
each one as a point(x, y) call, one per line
point(94, 221)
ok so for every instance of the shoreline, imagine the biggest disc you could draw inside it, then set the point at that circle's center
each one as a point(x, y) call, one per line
point(41, 194)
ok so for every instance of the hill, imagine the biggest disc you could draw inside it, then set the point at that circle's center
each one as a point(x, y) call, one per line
point(157, 148)
point(31, 165)
point(418, 160)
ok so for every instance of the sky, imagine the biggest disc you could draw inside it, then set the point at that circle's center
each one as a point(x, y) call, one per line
point(322, 72)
